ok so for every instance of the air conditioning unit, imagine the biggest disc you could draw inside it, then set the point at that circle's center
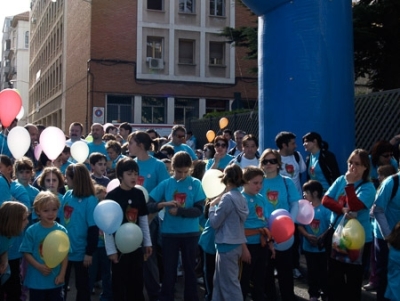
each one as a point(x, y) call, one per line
point(156, 63)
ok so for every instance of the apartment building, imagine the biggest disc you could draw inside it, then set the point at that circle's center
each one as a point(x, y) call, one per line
point(15, 57)
point(144, 61)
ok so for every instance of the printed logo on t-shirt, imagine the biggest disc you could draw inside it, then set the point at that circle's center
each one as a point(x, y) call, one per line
point(314, 225)
point(272, 197)
point(131, 214)
point(260, 212)
point(180, 198)
point(67, 213)
point(289, 169)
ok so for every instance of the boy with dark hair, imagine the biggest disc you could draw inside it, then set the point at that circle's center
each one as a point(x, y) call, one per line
point(98, 165)
point(124, 130)
point(127, 270)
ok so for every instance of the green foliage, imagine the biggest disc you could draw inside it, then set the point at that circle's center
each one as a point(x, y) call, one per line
point(377, 42)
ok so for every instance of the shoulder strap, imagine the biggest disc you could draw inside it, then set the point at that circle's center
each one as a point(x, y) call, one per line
point(297, 156)
point(287, 189)
point(395, 185)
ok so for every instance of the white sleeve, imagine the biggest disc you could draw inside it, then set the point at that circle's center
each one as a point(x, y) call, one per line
point(109, 243)
point(144, 226)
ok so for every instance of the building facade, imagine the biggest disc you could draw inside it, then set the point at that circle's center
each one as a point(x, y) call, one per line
point(145, 61)
point(15, 58)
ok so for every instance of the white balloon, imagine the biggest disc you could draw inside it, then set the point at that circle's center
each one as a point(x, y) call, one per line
point(52, 140)
point(212, 184)
point(144, 190)
point(21, 113)
point(128, 237)
point(114, 183)
point(108, 216)
point(18, 141)
point(79, 151)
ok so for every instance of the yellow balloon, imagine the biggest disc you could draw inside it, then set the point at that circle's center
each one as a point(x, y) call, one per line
point(353, 235)
point(223, 122)
point(55, 248)
point(210, 135)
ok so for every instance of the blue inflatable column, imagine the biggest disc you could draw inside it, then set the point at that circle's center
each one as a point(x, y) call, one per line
point(306, 73)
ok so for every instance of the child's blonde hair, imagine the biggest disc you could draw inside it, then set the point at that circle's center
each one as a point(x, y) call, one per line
point(98, 190)
point(43, 199)
point(12, 215)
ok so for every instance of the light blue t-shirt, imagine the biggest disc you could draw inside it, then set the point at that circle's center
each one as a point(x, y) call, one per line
point(188, 191)
point(365, 193)
point(77, 217)
point(374, 169)
point(280, 193)
point(391, 207)
point(315, 171)
point(4, 150)
point(32, 192)
point(33, 243)
point(184, 147)
point(318, 225)
point(256, 218)
point(153, 172)
point(5, 189)
point(223, 162)
point(393, 289)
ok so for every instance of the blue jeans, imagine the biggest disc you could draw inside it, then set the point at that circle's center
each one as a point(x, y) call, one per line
point(171, 245)
point(101, 261)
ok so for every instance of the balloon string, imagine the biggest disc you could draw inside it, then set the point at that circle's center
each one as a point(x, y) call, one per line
point(120, 257)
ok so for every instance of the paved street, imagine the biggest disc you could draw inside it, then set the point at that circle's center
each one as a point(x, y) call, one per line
point(300, 289)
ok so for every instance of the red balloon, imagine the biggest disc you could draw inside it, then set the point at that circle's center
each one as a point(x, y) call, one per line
point(10, 105)
point(282, 228)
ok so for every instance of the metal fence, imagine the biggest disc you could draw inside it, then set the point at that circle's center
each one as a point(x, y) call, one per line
point(377, 117)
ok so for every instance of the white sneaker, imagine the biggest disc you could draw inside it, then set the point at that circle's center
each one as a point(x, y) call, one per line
point(297, 274)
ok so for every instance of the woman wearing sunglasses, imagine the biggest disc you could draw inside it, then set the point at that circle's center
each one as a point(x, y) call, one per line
point(381, 154)
point(280, 193)
point(221, 157)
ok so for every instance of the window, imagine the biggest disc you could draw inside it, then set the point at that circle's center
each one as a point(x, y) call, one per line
point(216, 105)
point(186, 51)
point(119, 108)
point(153, 109)
point(155, 4)
point(154, 47)
point(185, 110)
point(186, 6)
point(217, 53)
point(217, 8)
point(26, 39)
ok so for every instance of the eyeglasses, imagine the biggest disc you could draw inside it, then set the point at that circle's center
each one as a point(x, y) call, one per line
point(220, 145)
point(205, 150)
point(386, 155)
point(270, 161)
point(180, 136)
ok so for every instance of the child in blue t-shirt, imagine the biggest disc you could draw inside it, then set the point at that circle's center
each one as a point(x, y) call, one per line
point(44, 283)
point(393, 289)
point(13, 220)
point(77, 217)
point(257, 235)
point(183, 197)
point(316, 257)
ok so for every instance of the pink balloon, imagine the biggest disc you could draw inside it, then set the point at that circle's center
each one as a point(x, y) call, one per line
point(112, 185)
point(37, 151)
point(306, 212)
point(52, 141)
point(10, 105)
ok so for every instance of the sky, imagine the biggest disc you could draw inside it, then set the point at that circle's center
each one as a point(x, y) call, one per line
point(11, 8)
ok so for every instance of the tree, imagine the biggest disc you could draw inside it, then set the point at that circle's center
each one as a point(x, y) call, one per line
point(377, 42)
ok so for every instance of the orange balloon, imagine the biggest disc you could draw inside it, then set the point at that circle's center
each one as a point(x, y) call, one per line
point(223, 122)
point(210, 135)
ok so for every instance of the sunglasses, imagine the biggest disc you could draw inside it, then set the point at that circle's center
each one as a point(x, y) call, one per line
point(220, 144)
point(386, 155)
point(270, 161)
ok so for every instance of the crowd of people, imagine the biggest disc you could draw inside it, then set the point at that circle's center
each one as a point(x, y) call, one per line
point(226, 240)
